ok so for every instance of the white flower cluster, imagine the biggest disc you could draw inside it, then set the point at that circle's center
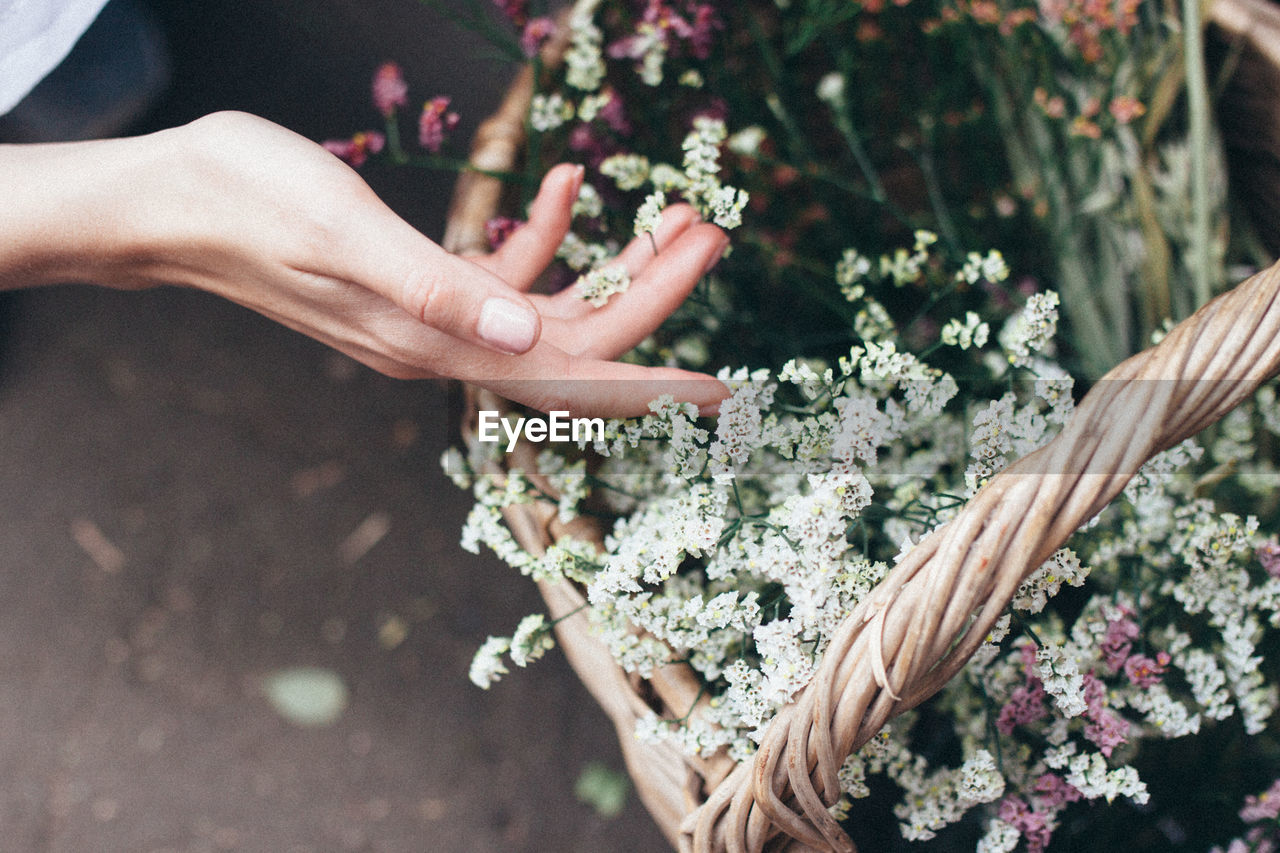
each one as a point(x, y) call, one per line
point(1042, 584)
point(649, 216)
point(547, 112)
point(720, 203)
point(597, 285)
point(629, 171)
point(942, 797)
point(903, 267)
point(970, 333)
point(989, 267)
point(531, 640)
point(1031, 330)
point(739, 546)
point(584, 60)
point(1090, 774)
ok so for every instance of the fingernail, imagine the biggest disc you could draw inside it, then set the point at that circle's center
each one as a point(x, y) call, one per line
point(507, 326)
point(579, 172)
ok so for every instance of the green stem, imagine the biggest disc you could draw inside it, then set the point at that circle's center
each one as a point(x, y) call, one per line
point(933, 188)
point(1033, 159)
point(844, 124)
point(1198, 131)
point(394, 148)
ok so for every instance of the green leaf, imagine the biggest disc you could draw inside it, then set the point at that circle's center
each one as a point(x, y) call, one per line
point(603, 789)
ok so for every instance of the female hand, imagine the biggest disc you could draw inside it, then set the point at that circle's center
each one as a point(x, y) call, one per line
point(245, 209)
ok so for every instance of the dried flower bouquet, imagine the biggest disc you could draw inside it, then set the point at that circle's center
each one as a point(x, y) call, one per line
point(911, 569)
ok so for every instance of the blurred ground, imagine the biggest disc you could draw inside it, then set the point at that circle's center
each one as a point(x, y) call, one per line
point(193, 498)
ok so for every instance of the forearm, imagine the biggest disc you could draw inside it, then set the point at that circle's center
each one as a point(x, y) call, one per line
point(246, 210)
point(64, 215)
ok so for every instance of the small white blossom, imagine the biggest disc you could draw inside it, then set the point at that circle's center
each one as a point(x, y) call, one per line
point(972, 332)
point(547, 112)
point(455, 466)
point(599, 284)
point(1000, 837)
point(785, 665)
point(747, 141)
point(902, 266)
point(831, 88)
point(665, 177)
point(487, 666)
point(851, 270)
point(588, 203)
point(1062, 680)
point(649, 215)
point(990, 441)
point(531, 640)
point(923, 240)
point(579, 254)
point(1089, 774)
point(977, 267)
point(629, 171)
point(584, 62)
point(1044, 583)
point(649, 47)
point(591, 105)
point(1208, 682)
point(1030, 330)
point(727, 204)
point(980, 779)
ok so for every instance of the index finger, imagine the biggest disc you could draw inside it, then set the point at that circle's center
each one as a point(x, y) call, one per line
point(378, 250)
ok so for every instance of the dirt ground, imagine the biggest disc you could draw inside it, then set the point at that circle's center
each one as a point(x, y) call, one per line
point(193, 498)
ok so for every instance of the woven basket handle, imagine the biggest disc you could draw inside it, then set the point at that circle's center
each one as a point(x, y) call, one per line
point(928, 616)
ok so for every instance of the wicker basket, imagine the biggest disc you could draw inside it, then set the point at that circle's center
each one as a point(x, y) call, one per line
point(926, 618)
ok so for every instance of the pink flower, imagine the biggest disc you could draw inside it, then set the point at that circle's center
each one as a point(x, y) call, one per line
point(1107, 730)
point(517, 11)
point(389, 89)
point(1119, 641)
point(1269, 556)
point(1026, 705)
point(435, 122)
point(356, 149)
point(696, 28)
point(705, 23)
point(592, 147)
point(614, 114)
point(1034, 826)
point(1125, 108)
point(1264, 806)
point(535, 34)
point(1145, 672)
point(498, 229)
point(1055, 791)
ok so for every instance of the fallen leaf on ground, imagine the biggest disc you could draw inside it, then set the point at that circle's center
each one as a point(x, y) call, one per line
point(307, 696)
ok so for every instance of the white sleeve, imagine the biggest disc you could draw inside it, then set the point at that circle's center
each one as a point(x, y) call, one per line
point(35, 35)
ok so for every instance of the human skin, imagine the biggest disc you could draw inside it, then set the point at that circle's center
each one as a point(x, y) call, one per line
point(247, 210)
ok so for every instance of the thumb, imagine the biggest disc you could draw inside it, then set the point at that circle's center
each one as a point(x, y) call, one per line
point(382, 252)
